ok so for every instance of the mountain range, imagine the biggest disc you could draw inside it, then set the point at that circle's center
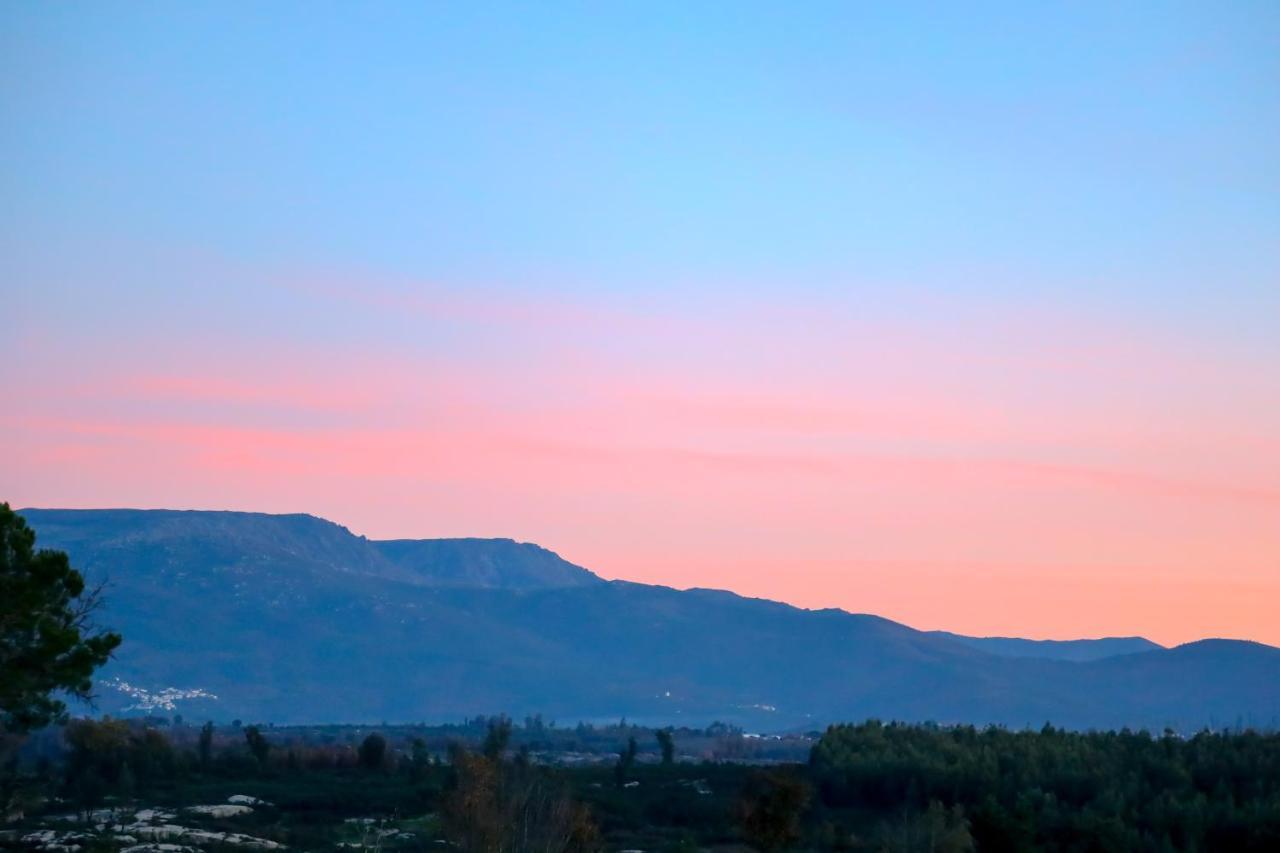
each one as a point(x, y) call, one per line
point(291, 619)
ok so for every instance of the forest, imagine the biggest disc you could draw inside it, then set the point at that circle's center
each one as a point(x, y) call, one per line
point(494, 785)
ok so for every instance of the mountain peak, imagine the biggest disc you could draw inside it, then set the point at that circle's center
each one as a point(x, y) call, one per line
point(185, 540)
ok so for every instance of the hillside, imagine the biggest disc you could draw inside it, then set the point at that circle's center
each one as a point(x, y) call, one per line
point(295, 619)
point(1073, 650)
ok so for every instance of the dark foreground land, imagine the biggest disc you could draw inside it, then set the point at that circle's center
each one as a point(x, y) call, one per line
point(491, 786)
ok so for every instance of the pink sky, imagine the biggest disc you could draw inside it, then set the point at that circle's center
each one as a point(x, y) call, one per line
point(971, 321)
point(1024, 470)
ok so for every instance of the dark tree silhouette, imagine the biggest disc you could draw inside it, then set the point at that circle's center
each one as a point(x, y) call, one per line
point(206, 745)
point(258, 744)
point(626, 760)
point(667, 743)
point(771, 807)
point(419, 758)
point(47, 640)
point(495, 742)
point(373, 751)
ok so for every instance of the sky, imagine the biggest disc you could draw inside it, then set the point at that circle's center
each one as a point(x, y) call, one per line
point(967, 315)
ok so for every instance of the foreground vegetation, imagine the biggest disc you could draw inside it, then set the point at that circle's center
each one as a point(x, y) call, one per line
point(864, 787)
point(155, 785)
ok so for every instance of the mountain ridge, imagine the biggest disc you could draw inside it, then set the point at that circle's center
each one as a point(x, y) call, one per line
point(1084, 649)
point(526, 564)
point(296, 619)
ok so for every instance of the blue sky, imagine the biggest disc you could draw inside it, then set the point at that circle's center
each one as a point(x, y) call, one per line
point(1120, 149)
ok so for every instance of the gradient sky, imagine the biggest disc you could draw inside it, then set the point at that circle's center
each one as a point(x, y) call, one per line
point(964, 315)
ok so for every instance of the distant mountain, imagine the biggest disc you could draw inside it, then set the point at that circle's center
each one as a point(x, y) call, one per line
point(168, 540)
point(290, 618)
point(1073, 650)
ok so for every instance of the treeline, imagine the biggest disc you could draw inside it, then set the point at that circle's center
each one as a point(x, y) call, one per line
point(866, 787)
point(999, 790)
point(716, 742)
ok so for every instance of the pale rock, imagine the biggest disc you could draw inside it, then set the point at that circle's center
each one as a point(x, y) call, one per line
point(220, 810)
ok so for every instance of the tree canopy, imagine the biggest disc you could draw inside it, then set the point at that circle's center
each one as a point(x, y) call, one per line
point(48, 644)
